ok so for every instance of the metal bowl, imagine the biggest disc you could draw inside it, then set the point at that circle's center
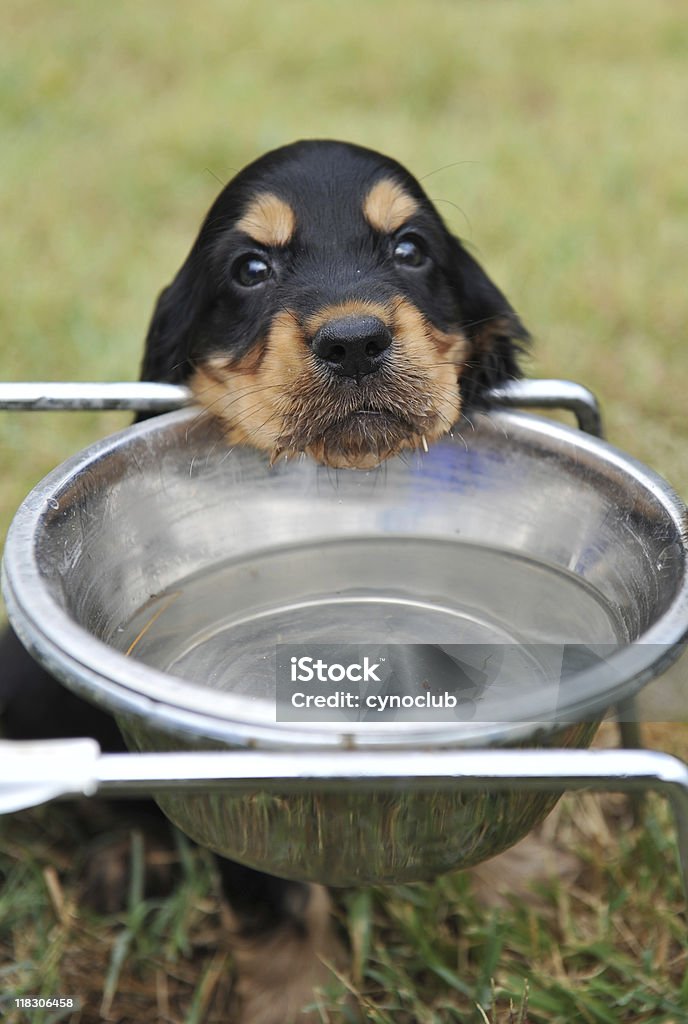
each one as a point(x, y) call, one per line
point(158, 574)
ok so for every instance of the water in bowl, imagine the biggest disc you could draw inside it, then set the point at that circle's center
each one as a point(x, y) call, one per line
point(495, 622)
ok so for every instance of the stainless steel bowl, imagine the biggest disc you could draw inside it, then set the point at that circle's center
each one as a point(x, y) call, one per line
point(156, 572)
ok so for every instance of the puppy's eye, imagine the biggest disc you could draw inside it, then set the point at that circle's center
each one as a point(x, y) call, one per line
point(409, 252)
point(252, 270)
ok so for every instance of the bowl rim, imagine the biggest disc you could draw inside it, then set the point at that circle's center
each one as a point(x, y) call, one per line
point(169, 703)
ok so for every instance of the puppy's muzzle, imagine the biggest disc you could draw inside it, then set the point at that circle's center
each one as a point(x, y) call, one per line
point(353, 346)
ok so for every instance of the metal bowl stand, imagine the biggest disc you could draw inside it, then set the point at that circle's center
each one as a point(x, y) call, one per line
point(34, 772)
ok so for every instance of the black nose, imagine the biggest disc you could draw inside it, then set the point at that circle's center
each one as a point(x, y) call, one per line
point(352, 346)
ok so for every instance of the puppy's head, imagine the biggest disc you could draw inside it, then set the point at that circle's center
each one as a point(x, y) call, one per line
point(324, 308)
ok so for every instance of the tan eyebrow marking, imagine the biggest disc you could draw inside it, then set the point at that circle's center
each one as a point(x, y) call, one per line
point(268, 220)
point(388, 205)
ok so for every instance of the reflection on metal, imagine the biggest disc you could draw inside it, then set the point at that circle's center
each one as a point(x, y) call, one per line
point(31, 773)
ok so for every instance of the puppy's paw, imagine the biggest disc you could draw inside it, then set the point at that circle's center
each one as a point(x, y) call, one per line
point(279, 973)
point(106, 877)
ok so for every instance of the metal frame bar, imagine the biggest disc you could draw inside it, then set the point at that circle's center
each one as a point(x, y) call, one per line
point(78, 396)
point(137, 396)
point(626, 771)
point(553, 394)
point(35, 772)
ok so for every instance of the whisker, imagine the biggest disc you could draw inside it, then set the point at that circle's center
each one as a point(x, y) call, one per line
point(230, 398)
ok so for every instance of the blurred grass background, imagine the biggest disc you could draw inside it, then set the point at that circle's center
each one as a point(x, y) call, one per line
point(551, 136)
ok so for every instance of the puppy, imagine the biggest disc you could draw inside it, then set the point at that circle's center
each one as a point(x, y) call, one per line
point(324, 310)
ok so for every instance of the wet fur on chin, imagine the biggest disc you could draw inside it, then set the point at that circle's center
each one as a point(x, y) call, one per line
point(350, 429)
point(411, 401)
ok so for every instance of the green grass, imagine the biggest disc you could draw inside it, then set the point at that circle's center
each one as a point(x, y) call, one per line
point(608, 947)
point(552, 137)
point(548, 133)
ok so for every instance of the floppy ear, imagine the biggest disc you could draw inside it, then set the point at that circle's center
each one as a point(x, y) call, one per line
point(174, 328)
point(496, 335)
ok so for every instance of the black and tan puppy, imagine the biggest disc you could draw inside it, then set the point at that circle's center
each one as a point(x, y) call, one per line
point(325, 310)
